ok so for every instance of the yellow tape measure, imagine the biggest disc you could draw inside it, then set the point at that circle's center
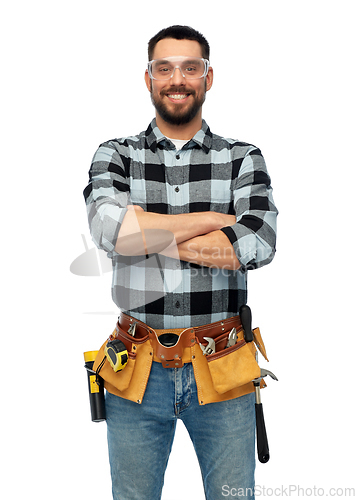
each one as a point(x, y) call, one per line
point(117, 355)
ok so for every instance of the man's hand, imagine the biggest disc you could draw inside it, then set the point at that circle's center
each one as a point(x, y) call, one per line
point(211, 250)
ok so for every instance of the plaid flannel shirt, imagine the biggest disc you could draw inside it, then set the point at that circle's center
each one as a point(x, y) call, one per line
point(209, 173)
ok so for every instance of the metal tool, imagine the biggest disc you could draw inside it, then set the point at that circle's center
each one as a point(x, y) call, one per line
point(132, 329)
point(246, 322)
point(262, 441)
point(232, 338)
point(210, 348)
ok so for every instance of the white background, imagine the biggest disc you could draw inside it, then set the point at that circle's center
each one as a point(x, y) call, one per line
point(284, 80)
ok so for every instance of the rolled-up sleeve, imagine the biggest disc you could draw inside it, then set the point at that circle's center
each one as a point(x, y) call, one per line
point(253, 237)
point(106, 196)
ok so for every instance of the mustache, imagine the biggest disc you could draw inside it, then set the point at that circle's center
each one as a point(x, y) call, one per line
point(178, 90)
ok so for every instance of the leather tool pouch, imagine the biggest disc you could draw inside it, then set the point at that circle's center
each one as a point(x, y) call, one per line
point(233, 366)
point(129, 383)
point(227, 373)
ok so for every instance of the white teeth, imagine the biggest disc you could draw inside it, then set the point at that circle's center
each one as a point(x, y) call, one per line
point(177, 96)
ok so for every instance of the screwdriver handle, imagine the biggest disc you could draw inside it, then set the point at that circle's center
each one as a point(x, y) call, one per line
point(246, 322)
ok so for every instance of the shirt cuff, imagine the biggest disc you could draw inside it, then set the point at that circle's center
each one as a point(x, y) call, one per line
point(230, 233)
point(243, 257)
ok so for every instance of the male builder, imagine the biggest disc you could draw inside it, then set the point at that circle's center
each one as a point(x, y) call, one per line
point(183, 213)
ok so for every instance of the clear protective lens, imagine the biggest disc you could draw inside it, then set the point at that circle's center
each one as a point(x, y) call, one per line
point(190, 67)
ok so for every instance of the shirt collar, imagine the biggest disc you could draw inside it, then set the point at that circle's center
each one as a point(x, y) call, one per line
point(203, 138)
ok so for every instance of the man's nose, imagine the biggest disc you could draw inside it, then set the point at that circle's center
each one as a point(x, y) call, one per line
point(177, 76)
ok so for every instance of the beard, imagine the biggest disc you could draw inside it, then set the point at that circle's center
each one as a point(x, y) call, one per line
point(178, 116)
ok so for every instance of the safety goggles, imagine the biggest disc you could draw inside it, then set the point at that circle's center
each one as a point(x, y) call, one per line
point(191, 68)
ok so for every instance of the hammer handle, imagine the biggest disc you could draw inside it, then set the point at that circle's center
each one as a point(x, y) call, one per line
point(262, 442)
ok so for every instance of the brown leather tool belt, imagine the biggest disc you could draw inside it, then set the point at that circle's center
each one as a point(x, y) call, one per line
point(225, 372)
point(181, 352)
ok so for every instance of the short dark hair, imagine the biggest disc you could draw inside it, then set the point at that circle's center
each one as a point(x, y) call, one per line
point(179, 33)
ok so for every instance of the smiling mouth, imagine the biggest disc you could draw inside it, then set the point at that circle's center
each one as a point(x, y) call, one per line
point(177, 97)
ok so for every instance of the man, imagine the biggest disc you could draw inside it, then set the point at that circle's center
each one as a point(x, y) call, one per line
point(183, 213)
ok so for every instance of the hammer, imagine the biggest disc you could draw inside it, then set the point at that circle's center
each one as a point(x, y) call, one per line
point(262, 442)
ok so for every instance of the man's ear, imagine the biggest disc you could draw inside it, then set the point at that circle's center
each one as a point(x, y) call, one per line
point(148, 81)
point(209, 78)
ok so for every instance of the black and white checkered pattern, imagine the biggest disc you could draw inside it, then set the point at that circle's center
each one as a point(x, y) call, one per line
point(210, 173)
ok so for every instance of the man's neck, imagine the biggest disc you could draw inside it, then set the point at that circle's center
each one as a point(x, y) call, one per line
point(184, 132)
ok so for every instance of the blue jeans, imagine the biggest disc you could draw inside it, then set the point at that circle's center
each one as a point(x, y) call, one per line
point(140, 438)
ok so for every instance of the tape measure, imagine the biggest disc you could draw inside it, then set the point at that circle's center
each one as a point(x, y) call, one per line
point(117, 355)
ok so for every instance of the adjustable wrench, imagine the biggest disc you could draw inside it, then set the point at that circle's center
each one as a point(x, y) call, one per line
point(210, 348)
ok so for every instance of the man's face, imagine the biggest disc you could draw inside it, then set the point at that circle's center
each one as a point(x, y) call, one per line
point(178, 100)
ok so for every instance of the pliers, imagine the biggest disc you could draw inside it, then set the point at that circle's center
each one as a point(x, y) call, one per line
point(232, 338)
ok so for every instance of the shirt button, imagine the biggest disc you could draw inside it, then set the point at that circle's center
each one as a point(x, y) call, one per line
point(177, 157)
point(177, 189)
point(177, 304)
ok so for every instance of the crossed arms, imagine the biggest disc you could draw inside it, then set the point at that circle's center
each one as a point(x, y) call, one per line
point(197, 236)
point(246, 241)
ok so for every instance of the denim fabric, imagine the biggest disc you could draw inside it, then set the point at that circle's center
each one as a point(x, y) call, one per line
point(140, 438)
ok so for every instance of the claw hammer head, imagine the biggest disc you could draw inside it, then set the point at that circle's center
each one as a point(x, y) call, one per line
point(264, 374)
